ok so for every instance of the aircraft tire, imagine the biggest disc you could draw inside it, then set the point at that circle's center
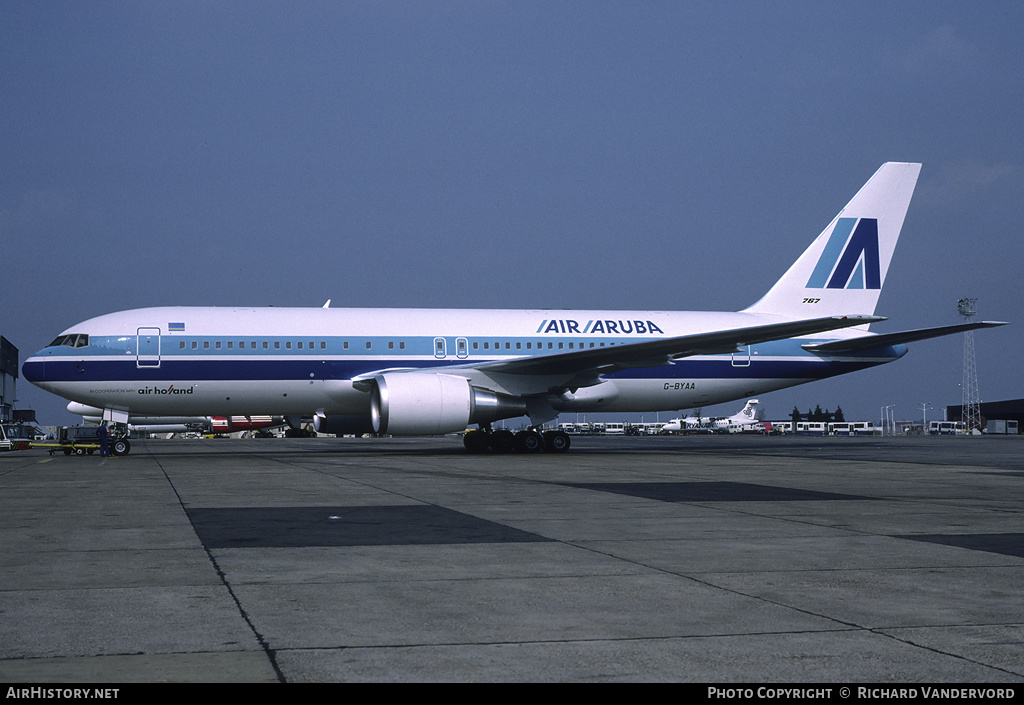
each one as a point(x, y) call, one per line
point(556, 441)
point(529, 442)
point(120, 446)
point(502, 441)
point(476, 441)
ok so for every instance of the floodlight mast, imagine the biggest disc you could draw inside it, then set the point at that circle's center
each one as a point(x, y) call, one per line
point(971, 402)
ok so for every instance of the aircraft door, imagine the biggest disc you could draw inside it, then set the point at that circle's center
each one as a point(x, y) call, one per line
point(147, 349)
point(741, 358)
point(440, 348)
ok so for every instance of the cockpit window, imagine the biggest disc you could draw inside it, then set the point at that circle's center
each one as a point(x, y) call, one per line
point(74, 340)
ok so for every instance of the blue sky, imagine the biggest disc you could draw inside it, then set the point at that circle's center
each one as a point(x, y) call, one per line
point(623, 155)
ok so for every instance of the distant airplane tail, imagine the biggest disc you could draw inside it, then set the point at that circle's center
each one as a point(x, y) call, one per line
point(747, 413)
point(843, 270)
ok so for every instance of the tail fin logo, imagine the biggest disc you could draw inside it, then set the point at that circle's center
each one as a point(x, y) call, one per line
point(850, 258)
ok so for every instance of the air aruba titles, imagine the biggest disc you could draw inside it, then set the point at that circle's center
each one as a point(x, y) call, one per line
point(566, 325)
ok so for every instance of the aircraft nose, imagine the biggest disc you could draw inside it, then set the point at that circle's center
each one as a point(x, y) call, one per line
point(34, 369)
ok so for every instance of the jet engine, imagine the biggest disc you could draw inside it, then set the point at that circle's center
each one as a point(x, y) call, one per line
point(430, 404)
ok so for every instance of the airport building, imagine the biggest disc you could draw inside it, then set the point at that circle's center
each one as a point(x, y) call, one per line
point(8, 378)
point(1009, 410)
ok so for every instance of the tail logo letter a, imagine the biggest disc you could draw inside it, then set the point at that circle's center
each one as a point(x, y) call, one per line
point(850, 257)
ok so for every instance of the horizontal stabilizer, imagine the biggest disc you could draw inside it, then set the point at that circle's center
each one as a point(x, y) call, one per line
point(886, 339)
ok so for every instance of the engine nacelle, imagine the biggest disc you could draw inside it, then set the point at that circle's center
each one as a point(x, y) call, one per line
point(431, 404)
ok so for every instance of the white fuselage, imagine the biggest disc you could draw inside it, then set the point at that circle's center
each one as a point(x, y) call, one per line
point(283, 361)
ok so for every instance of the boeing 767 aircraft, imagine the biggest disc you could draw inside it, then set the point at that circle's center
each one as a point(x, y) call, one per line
point(409, 372)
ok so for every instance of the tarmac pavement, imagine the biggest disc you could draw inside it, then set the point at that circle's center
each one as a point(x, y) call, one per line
point(728, 559)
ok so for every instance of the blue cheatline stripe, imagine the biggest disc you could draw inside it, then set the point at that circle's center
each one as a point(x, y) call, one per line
point(834, 248)
point(200, 370)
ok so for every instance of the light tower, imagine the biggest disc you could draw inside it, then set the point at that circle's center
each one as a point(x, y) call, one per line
point(971, 409)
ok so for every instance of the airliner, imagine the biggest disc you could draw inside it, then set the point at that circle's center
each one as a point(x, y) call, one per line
point(422, 372)
point(744, 417)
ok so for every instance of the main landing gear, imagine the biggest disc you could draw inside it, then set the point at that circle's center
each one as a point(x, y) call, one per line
point(504, 441)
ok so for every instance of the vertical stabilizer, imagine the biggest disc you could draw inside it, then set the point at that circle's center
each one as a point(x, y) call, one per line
point(843, 270)
point(747, 413)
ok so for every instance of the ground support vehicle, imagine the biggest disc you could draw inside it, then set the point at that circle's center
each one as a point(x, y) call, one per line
point(14, 437)
point(85, 440)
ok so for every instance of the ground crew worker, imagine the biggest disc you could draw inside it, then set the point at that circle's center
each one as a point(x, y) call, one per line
point(104, 442)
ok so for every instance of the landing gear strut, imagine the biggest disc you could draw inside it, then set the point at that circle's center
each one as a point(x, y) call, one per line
point(503, 441)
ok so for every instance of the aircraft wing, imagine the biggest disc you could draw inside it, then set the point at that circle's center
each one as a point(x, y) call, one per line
point(886, 339)
point(593, 362)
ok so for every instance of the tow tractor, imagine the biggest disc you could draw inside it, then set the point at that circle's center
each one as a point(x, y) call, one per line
point(14, 436)
point(82, 440)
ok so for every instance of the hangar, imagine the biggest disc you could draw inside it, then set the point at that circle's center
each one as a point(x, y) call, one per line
point(1009, 410)
point(8, 378)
